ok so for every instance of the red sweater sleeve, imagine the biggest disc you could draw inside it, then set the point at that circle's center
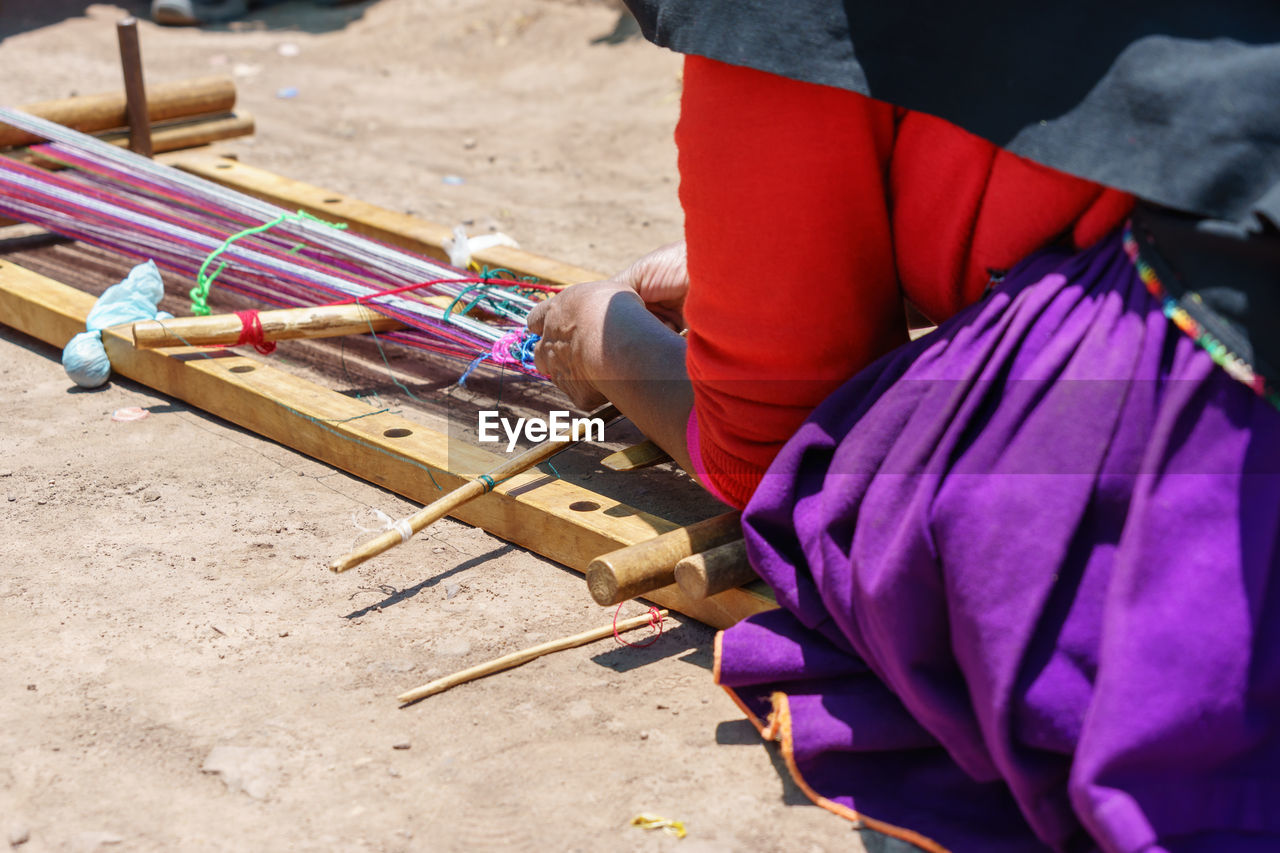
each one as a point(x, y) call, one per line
point(809, 212)
point(792, 285)
point(964, 210)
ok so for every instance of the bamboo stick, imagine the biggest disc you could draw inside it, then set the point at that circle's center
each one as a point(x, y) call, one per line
point(108, 111)
point(521, 657)
point(193, 133)
point(405, 528)
point(715, 570)
point(320, 321)
point(637, 569)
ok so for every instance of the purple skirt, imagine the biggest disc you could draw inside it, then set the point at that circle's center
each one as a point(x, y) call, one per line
point(1025, 568)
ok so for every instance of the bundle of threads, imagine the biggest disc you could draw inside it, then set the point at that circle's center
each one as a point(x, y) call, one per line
point(114, 199)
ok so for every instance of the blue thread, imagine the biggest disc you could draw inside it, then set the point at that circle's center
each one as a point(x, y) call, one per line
point(354, 417)
point(466, 374)
point(523, 350)
point(487, 481)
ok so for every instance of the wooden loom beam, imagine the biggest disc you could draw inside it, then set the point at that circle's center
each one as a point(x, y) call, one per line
point(559, 520)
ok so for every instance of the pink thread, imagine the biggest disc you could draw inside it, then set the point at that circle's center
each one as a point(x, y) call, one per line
point(501, 352)
point(251, 333)
point(655, 622)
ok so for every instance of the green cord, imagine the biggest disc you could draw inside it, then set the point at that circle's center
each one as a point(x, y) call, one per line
point(200, 293)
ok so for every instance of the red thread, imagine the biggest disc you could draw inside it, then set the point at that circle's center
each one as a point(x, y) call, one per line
point(251, 333)
point(360, 300)
point(655, 622)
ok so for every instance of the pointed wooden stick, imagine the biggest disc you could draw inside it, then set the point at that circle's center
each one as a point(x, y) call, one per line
point(517, 658)
point(319, 321)
point(405, 528)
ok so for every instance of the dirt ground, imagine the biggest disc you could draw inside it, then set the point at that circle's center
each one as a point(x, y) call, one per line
point(179, 671)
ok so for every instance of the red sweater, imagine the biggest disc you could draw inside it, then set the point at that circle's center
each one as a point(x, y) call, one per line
point(810, 212)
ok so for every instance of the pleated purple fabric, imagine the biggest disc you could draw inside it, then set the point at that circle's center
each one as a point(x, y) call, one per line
point(1025, 568)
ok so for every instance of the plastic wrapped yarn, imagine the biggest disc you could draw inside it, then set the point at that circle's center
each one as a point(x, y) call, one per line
point(134, 299)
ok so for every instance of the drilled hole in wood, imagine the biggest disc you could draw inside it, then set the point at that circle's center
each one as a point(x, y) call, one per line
point(332, 200)
point(223, 166)
point(397, 432)
point(243, 368)
point(584, 506)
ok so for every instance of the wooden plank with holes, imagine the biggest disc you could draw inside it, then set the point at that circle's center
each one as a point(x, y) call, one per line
point(398, 229)
point(559, 520)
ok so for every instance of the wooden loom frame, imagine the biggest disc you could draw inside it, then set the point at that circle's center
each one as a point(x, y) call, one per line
point(533, 510)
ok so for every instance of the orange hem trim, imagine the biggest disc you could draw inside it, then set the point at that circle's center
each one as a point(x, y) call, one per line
point(779, 728)
point(715, 673)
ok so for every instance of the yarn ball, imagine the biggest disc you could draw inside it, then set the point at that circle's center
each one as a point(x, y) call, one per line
point(84, 357)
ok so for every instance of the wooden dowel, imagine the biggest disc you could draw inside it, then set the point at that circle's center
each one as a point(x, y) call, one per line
point(517, 658)
point(193, 133)
point(108, 111)
point(169, 138)
point(649, 565)
point(321, 321)
point(715, 570)
point(433, 512)
point(636, 456)
point(135, 91)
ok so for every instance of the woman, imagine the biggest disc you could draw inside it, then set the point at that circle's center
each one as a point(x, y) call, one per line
point(1024, 561)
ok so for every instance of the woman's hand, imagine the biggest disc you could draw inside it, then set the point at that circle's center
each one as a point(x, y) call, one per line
point(614, 341)
point(572, 324)
point(662, 280)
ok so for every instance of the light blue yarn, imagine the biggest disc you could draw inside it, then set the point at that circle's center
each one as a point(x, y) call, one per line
point(134, 299)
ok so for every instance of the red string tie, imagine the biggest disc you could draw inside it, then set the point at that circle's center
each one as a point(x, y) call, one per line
point(251, 333)
point(655, 622)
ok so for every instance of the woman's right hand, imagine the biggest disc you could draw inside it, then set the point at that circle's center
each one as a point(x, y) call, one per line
point(661, 278)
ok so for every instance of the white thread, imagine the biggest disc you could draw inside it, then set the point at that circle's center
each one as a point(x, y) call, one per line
point(461, 247)
point(405, 529)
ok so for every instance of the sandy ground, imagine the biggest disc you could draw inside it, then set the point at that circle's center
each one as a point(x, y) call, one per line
point(179, 671)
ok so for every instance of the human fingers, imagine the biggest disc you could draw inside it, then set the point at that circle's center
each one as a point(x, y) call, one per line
point(537, 318)
point(660, 277)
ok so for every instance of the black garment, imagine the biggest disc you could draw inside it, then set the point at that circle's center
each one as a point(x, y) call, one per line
point(1174, 101)
point(1177, 102)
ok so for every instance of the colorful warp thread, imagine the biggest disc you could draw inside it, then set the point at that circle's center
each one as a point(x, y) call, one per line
point(200, 293)
point(1236, 367)
point(120, 201)
point(514, 348)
